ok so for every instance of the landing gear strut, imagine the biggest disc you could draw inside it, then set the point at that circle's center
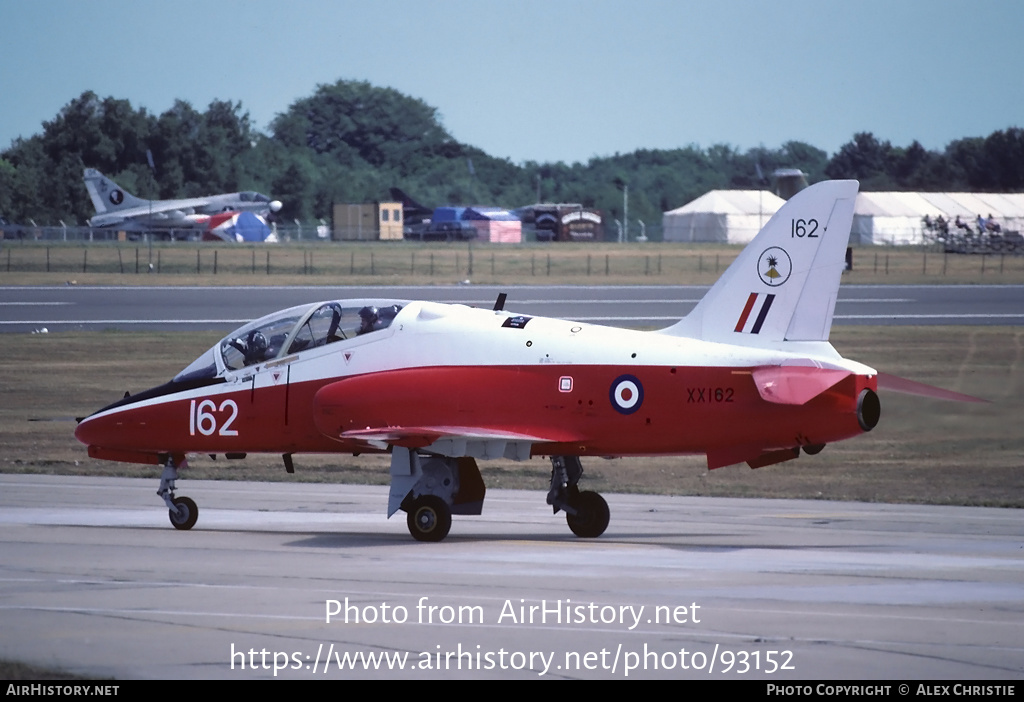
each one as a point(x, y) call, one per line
point(586, 512)
point(431, 489)
point(182, 511)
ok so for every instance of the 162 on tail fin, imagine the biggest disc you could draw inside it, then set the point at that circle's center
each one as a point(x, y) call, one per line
point(783, 286)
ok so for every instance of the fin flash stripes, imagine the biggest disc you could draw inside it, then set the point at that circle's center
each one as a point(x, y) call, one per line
point(761, 315)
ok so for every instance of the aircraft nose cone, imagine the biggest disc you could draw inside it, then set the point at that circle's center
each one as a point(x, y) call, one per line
point(86, 431)
point(275, 205)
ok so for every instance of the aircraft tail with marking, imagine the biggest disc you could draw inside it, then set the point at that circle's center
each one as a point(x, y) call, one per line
point(783, 285)
point(107, 196)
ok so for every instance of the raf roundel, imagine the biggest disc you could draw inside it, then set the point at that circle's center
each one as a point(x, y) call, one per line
point(626, 394)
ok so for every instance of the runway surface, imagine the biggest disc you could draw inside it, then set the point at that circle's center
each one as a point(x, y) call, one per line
point(24, 309)
point(94, 579)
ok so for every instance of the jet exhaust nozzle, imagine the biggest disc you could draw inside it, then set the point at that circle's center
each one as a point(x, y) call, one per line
point(869, 409)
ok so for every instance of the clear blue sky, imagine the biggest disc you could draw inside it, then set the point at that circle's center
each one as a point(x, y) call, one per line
point(545, 80)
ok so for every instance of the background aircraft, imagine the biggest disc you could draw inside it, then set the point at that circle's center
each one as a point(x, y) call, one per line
point(748, 376)
point(116, 207)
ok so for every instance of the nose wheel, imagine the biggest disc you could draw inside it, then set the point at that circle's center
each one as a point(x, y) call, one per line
point(184, 514)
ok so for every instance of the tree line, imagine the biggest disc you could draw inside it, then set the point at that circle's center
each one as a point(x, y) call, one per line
point(352, 142)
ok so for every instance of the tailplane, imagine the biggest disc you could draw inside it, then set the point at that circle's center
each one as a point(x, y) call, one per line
point(106, 195)
point(783, 285)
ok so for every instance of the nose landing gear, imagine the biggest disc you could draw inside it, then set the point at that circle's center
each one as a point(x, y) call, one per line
point(182, 511)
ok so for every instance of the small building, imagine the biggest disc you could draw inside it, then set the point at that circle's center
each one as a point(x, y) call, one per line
point(495, 224)
point(367, 221)
point(565, 222)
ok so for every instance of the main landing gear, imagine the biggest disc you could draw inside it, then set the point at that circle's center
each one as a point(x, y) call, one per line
point(586, 512)
point(430, 489)
point(182, 511)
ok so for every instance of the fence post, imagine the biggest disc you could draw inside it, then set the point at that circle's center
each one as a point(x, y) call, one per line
point(197, 262)
point(47, 259)
point(268, 261)
point(215, 261)
point(85, 260)
point(120, 263)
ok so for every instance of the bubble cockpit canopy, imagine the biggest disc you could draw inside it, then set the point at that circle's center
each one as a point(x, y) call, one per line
point(292, 331)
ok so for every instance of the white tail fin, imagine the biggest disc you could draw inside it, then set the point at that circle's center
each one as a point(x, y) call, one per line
point(106, 195)
point(783, 285)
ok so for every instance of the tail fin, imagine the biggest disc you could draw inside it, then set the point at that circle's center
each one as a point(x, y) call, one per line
point(783, 285)
point(106, 195)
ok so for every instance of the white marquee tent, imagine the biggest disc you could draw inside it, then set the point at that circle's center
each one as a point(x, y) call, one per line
point(726, 216)
point(735, 216)
point(897, 217)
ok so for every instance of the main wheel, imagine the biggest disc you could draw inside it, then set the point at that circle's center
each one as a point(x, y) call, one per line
point(429, 518)
point(592, 515)
point(186, 515)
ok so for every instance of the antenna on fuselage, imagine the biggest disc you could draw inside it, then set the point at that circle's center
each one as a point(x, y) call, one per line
point(499, 304)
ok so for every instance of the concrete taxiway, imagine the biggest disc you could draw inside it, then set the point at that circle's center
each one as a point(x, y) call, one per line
point(94, 580)
point(69, 308)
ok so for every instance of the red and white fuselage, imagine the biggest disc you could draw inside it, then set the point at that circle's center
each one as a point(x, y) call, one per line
point(494, 379)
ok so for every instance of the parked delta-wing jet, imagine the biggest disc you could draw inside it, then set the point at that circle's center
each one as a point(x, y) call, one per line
point(116, 207)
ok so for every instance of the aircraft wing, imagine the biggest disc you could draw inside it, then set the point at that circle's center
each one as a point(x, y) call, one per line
point(159, 213)
point(455, 442)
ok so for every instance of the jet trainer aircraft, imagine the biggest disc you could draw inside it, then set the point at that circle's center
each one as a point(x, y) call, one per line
point(747, 376)
point(115, 206)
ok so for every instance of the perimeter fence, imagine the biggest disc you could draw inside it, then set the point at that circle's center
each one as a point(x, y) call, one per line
point(339, 263)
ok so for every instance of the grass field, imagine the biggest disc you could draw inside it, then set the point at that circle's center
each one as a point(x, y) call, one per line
point(923, 450)
point(390, 263)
